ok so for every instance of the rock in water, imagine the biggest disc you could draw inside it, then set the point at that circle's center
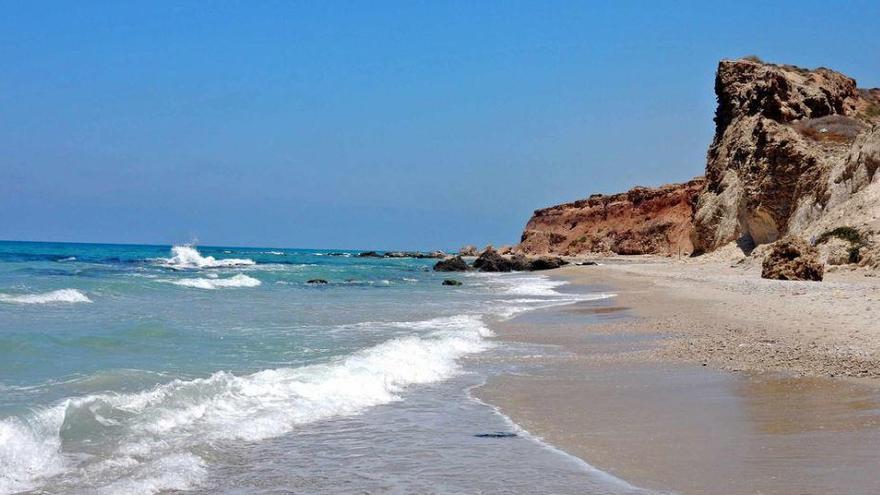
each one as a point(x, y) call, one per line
point(791, 258)
point(317, 281)
point(454, 264)
point(490, 261)
point(450, 281)
point(369, 254)
point(546, 263)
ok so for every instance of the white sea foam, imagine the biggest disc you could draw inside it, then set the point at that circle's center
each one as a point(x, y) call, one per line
point(55, 296)
point(239, 280)
point(188, 257)
point(162, 429)
point(537, 285)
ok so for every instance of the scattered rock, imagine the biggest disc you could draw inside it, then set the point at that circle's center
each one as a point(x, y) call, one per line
point(369, 254)
point(586, 263)
point(454, 264)
point(317, 281)
point(450, 281)
point(791, 258)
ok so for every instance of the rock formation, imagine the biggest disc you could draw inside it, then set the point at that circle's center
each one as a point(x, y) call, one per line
point(791, 258)
point(640, 221)
point(795, 151)
point(491, 260)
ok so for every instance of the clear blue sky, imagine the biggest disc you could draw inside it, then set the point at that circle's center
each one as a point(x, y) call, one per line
point(368, 124)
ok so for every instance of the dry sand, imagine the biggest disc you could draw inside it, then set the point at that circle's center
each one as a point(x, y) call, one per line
point(642, 387)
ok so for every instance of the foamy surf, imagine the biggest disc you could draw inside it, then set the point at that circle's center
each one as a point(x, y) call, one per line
point(188, 257)
point(55, 296)
point(150, 441)
point(239, 280)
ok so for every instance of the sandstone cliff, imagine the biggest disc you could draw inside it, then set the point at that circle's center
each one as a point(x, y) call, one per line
point(795, 151)
point(640, 221)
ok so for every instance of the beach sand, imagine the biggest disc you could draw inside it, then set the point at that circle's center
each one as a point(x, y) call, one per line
point(643, 387)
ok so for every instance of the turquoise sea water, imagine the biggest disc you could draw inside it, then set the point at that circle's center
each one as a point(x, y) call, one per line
point(153, 369)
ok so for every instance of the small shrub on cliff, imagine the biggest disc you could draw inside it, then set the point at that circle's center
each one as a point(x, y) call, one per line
point(753, 58)
point(850, 234)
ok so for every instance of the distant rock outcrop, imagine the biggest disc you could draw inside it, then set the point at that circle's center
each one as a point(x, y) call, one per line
point(468, 250)
point(791, 258)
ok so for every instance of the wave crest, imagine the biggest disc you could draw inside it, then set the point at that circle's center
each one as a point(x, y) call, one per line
point(171, 422)
point(55, 296)
point(188, 257)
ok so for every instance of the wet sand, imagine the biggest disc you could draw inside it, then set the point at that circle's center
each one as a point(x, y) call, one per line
point(612, 390)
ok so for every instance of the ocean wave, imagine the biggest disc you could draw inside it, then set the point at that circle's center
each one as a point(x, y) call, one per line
point(188, 257)
point(55, 296)
point(171, 424)
point(239, 280)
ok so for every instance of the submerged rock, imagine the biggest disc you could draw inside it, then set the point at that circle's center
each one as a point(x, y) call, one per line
point(450, 281)
point(454, 264)
point(317, 281)
point(791, 258)
point(496, 434)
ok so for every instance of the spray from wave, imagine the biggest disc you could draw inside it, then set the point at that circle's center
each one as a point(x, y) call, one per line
point(56, 296)
point(188, 257)
point(154, 439)
point(239, 280)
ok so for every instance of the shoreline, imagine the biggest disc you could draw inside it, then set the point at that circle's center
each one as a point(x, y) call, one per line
point(642, 389)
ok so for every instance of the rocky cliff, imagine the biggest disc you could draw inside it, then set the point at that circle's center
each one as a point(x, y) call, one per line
point(795, 151)
point(640, 221)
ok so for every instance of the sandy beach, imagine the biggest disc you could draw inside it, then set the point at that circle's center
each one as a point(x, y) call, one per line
point(700, 377)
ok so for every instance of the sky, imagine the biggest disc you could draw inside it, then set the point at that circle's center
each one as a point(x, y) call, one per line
point(372, 125)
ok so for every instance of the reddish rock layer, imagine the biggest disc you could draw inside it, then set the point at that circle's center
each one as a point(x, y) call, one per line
point(640, 221)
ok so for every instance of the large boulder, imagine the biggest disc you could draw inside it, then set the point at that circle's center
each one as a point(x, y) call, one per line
point(791, 258)
point(454, 264)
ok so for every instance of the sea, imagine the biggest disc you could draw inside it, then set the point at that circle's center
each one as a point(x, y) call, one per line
point(132, 369)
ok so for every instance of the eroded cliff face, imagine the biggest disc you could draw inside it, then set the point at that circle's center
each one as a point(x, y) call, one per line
point(640, 221)
point(793, 150)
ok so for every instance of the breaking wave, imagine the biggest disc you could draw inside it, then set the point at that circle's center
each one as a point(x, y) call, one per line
point(56, 296)
point(154, 439)
point(239, 280)
point(188, 257)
